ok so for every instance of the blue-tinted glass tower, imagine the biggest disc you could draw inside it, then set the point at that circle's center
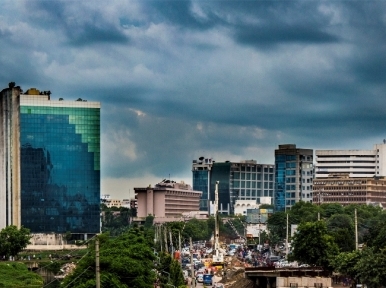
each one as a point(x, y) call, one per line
point(201, 179)
point(293, 166)
point(59, 164)
point(244, 180)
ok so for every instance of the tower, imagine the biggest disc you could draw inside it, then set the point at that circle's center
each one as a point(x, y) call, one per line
point(51, 149)
point(293, 175)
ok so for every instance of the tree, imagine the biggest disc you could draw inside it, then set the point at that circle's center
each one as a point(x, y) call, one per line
point(149, 221)
point(312, 245)
point(330, 209)
point(16, 274)
point(341, 227)
point(344, 238)
point(169, 271)
point(276, 225)
point(125, 261)
point(371, 268)
point(345, 263)
point(13, 240)
point(303, 212)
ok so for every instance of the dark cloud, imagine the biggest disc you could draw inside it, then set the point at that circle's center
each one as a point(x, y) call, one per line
point(80, 24)
point(268, 36)
point(180, 13)
point(223, 79)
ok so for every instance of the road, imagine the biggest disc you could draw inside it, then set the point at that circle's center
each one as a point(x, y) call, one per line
point(215, 279)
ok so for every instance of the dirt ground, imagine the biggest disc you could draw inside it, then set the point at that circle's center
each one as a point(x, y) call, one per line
point(234, 276)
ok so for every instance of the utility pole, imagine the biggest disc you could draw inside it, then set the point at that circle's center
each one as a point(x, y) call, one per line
point(166, 240)
point(179, 241)
point(171, 244)
point(356, 230)
point(160, 237)
point(193, 284)
point(286, 240)
point(97, 267)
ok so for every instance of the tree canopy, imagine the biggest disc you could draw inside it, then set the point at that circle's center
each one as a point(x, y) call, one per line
point(125, 262)
point(13, 240)
point(14, 274)
point(312, 245)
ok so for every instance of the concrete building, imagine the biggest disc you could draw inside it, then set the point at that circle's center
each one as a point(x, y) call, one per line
point(293, 176)
point(109, 202)
point(49, 162)
point(342, 189)
point(243, 180)
point(241, 206)
point(357, 163)
point(201, 180)
point(167, 199)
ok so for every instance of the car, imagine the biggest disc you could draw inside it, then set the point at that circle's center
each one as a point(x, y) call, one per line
point(274, 258)
point(200, 278)
point(219, 285)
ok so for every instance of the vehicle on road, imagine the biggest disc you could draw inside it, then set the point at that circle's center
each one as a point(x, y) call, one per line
point(207, 279)
point(200, 278)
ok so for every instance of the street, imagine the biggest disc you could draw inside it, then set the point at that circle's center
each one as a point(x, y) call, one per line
point(215, 280)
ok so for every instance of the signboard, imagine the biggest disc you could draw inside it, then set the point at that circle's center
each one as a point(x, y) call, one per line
point(255, 216)
point(254, 230)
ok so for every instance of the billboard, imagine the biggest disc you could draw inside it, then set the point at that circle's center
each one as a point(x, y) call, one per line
point(254, 230)
point(255, 216)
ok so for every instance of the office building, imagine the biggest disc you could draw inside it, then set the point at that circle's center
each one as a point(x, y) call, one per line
point(293, 176)
point(342, 189)
point(356, 163)
point(49, 163)
point(244, 180)
point(201, 180)
point(167, 199)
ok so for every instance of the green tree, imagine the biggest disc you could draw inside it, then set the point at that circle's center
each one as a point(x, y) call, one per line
point(330, 209)
point(345, 263)
point(16, 274)
point(125, 262)
point(13, 240)
point(303, 212)
point(149, 221)
point(341, 227)
point(169, 271)
point(312, 245)
point(371, 267)
point(276, 225)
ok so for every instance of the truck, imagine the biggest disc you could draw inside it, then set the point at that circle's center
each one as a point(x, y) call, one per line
point(207, 279)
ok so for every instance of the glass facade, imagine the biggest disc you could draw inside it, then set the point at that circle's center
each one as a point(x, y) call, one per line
point(60, 167)
point(280, 164)
point(251, 181)
point(221, 172)
point(290, 176)
point(200, 183)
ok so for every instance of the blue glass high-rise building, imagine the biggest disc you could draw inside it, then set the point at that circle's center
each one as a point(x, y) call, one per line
point(293, 175)
point(54, 148)
point(201, 180)
point(244, 180)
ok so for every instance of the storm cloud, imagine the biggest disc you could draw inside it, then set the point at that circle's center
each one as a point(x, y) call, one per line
point(229, 80)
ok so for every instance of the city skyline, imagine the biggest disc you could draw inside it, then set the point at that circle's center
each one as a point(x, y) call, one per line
point(228, 80)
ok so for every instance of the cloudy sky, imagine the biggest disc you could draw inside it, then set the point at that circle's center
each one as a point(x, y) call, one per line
point(228, 79)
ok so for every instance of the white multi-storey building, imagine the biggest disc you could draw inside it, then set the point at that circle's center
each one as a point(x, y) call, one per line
point(355, 163)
